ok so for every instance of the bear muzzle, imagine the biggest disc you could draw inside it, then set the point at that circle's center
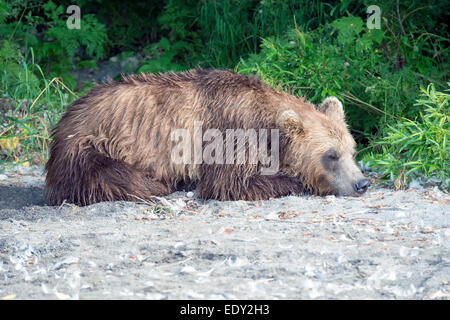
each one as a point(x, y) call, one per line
point(361, 186)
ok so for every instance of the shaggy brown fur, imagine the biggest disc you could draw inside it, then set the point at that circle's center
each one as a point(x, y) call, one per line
point(115, 143)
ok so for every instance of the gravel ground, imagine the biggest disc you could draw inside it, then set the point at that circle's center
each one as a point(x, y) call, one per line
point(385, 245)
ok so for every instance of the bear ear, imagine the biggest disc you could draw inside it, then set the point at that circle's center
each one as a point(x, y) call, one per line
point(333, 108)
point(289, 121)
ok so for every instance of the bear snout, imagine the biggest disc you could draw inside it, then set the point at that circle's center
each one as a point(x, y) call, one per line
point(361, 186)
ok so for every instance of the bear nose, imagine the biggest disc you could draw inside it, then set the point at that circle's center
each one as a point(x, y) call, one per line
point(362, 185)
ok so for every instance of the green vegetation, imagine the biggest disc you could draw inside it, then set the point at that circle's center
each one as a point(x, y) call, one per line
point(392, 80)
point(419, 147)
point(30, 106)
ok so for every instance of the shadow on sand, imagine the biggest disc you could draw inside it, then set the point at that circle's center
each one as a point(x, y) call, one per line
point(19, 197)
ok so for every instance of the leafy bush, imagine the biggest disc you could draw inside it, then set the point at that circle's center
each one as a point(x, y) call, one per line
point(57, 49)
point(346, 60)
point(419, 147)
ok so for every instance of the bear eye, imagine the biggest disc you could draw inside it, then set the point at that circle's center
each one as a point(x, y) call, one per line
point(332, 155)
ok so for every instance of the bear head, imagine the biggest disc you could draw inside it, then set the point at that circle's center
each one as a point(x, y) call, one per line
point(320, 151)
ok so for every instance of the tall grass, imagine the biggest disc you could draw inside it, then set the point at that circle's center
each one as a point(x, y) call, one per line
point(234, 29)
point(30, 105)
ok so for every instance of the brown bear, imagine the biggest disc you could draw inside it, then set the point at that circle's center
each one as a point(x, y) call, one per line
point(117, 142)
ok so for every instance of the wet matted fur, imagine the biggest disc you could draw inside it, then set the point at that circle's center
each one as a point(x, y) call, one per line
point(115, 143)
